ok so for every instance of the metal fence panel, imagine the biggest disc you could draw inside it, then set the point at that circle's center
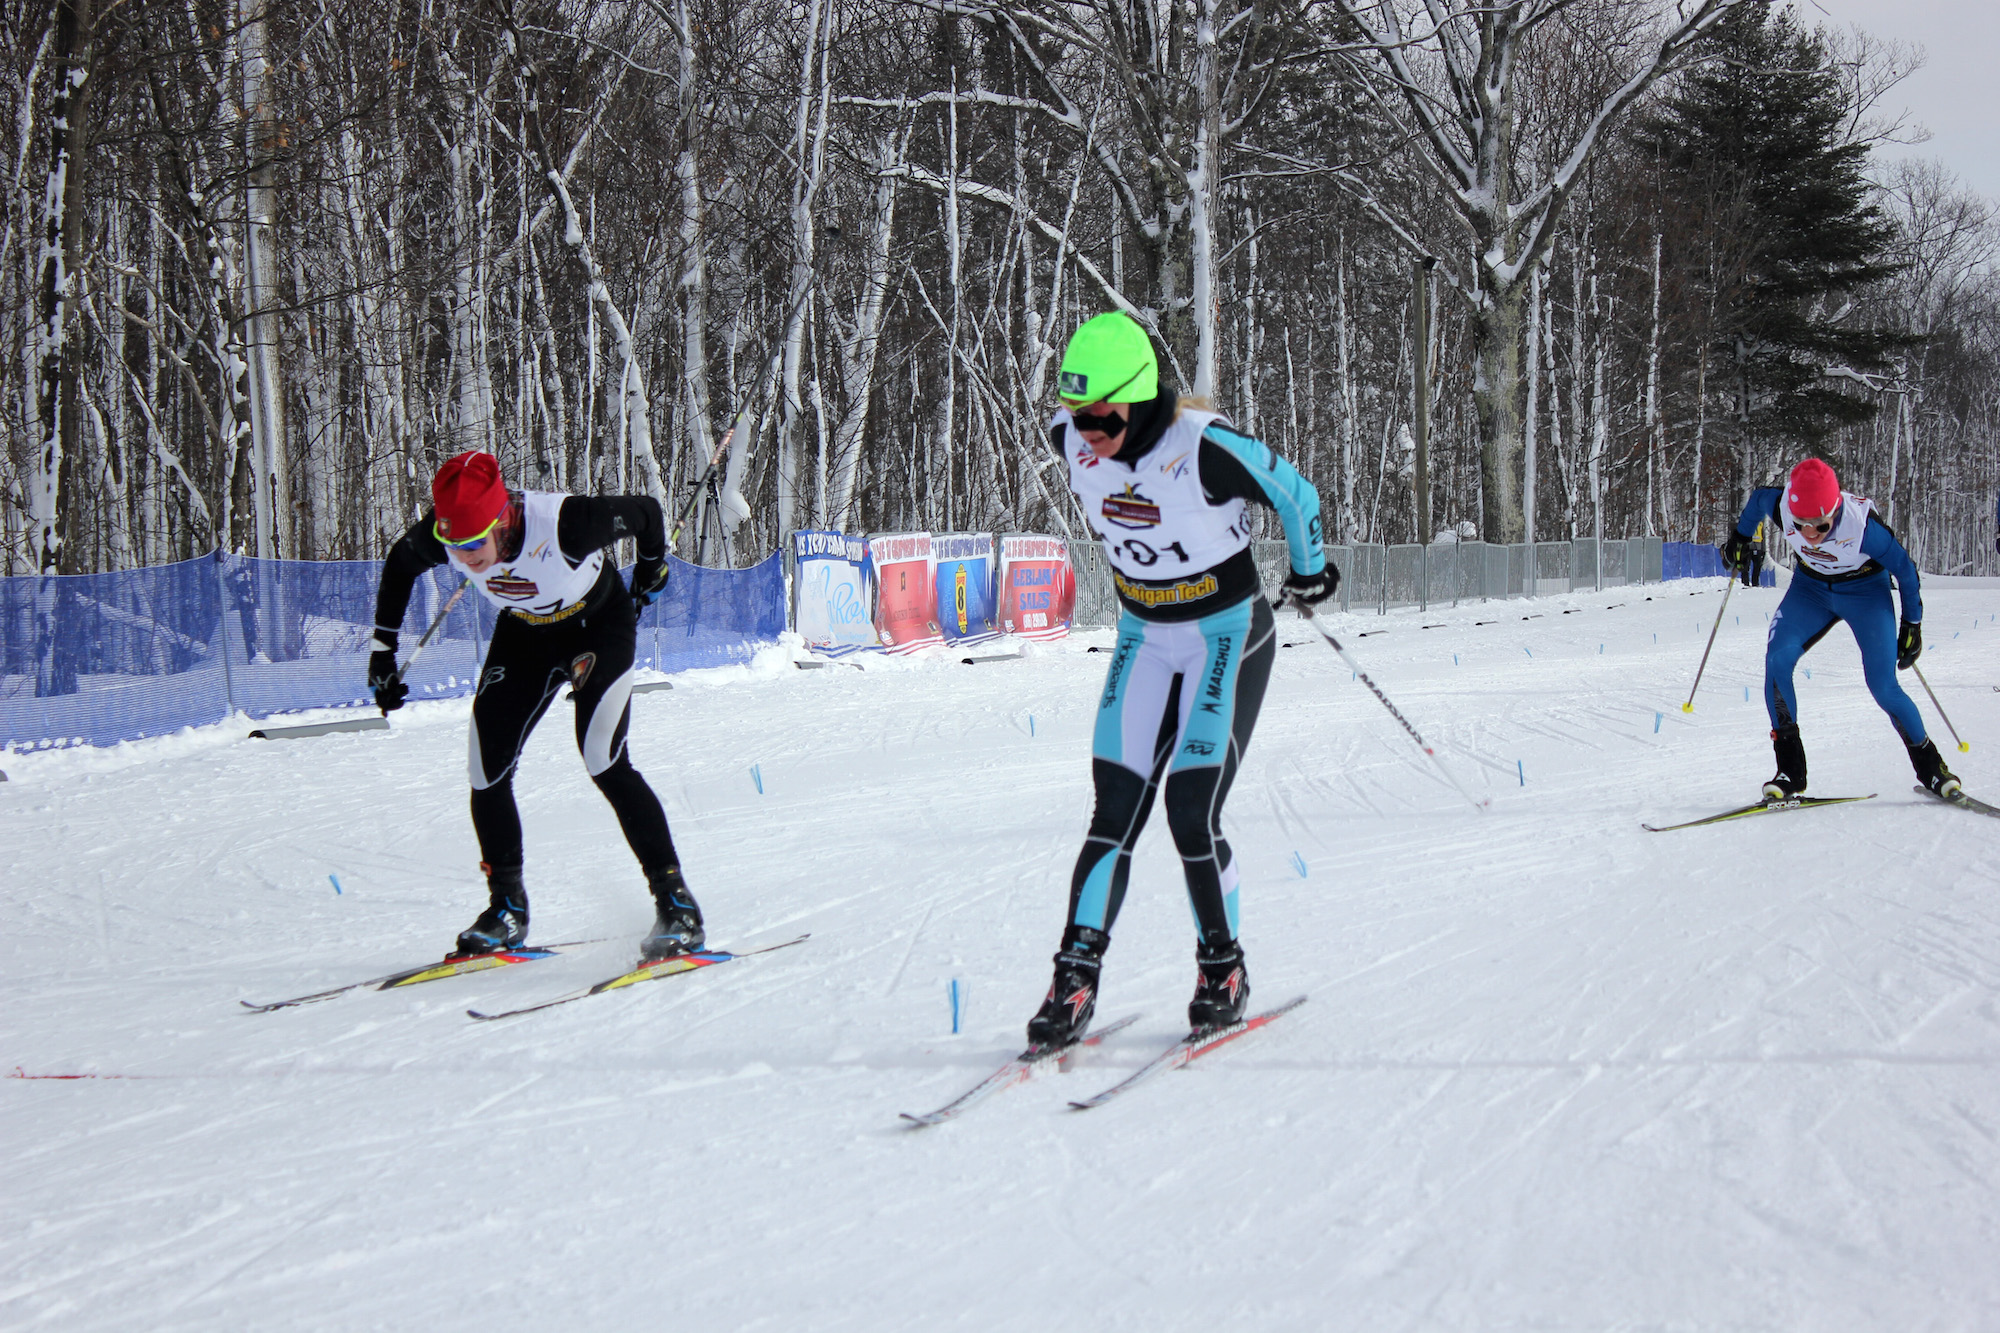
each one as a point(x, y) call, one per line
point(1583, 564)
point(1402, 576)
point(1096, 598)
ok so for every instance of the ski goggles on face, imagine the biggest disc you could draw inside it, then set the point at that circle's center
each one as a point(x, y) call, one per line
point(469, 542)
point(1110, 424)
point(1817, 528)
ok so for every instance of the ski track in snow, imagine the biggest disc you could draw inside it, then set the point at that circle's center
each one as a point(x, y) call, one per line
point(1556, 1072)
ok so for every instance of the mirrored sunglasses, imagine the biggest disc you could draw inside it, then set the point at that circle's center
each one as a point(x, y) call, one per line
point(469, 542)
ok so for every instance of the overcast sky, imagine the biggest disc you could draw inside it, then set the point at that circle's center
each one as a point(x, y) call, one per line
point(1954, 94)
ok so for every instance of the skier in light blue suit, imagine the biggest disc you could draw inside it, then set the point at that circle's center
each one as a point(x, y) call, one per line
point(1164, 485)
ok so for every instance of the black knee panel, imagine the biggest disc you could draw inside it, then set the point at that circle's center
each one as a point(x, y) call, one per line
point(1122, 800)
point(1191, 811)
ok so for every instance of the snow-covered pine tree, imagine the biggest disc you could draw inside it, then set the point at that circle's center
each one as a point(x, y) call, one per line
point(1758, 145)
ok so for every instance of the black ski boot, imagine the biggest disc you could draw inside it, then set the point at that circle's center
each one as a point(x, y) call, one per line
point(1790, 778)
point(1932, 772)
point(677, 926)
point(504, 923)
point(1065, 1014)
point(1221, 988)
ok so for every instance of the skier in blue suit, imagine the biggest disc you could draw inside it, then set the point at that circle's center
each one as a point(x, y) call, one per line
point(1846, 559)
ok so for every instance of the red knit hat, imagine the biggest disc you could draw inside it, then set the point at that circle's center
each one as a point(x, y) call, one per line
point(469, 495)
point(1813, 490)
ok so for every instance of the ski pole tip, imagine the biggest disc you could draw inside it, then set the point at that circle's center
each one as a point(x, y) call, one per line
point(1688, 707)
point(1964, 747)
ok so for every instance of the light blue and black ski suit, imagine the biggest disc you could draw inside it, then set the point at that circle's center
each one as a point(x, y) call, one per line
point(1195, 642)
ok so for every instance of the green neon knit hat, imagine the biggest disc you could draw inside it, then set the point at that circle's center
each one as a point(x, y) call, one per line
point(1109, 360)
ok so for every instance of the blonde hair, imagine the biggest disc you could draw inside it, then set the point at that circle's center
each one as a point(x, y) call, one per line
point(1199, 402)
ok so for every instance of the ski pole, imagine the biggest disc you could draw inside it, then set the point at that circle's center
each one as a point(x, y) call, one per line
point(1962, 746)
point(1688, 707)
point(1394, 712)
point(436, 625)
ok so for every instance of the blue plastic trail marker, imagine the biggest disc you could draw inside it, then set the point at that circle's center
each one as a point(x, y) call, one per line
point(1454, 659)
point(757, 776)
point(957, 991)
point(1521, 770)
point(336, 882)
point(1299, 864)
point(1031, 724)
point(1656, 722)
point(1746, 694)
point(1656, 638)
point(1526, 649)
point(1808, 673)
point(1600, 650)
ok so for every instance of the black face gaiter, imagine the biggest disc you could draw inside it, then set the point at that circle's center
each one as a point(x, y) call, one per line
point(1149, 422)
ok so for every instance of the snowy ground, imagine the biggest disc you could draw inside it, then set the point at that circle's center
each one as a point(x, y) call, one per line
point(1555, 1073)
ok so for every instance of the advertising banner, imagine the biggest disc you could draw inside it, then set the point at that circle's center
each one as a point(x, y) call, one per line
point(965, 601)
point(1037, 587)
point(830, 592)
point(905, 603)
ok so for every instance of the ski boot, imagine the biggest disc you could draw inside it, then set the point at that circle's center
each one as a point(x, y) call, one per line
point(1221, 988)
point(1065, 1014)
point(1790, 779)
point(1932, 772)
point(504, 923)
point(677, 926)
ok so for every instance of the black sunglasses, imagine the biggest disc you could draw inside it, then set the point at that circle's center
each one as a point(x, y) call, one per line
point(1110, 424)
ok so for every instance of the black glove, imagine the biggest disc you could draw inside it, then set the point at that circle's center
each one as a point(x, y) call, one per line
point(1909, 644)
point(1312, 589)
point(1737, 552)
point(649, 581)
point(388, 688)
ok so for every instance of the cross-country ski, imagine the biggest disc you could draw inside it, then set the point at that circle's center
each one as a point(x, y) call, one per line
point(1187, 1050)
point(1016, 1072)
point(651, 969)
point(1768, 806)
point(453, 965)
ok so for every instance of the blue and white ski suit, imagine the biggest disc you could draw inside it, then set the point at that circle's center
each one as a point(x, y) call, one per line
point(1843, 577)
point(1195, 642)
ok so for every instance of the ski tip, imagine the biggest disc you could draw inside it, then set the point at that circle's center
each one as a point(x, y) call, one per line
point(474, 1013)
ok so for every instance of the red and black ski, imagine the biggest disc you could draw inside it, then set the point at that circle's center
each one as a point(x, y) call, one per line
point(1188, 1049)
point(1015, 1072)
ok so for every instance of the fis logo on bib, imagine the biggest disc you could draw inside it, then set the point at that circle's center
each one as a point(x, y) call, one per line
point(1131, 510)
point(512, 586)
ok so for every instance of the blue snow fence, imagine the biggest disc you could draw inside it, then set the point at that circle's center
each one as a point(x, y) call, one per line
point(94, 659)
point(1698, 560)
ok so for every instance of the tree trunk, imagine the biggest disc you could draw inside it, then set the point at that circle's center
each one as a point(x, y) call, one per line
point(1496, 352)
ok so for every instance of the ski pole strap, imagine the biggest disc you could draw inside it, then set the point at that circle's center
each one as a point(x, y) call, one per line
point(436, 625)
point(1728, 588)
point(1307, 611)
point(1940, 707)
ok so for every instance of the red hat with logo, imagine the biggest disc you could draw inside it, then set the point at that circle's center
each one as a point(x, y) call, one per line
point(1812, 490)
point(469, 495)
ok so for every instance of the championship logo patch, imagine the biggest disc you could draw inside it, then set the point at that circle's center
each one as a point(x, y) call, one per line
point(1131, 510)
point(512, 587)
